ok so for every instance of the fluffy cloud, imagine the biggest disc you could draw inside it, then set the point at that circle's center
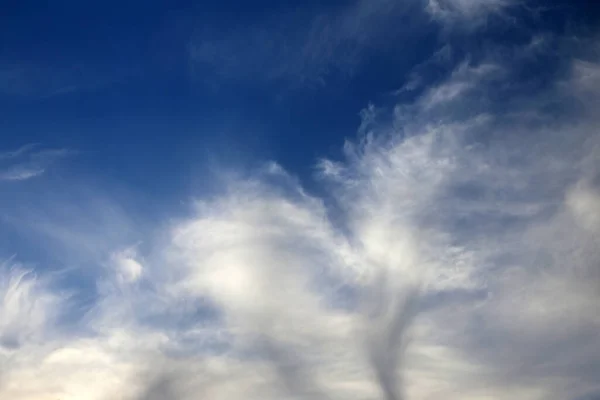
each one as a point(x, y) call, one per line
point(454, 256)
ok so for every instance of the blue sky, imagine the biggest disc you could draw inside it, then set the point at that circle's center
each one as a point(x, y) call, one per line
point(357, 199)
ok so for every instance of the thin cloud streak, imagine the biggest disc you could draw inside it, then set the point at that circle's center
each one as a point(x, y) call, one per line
point(29, 161)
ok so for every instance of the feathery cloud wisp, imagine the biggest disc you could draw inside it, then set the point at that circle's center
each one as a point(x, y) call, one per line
point(29, 161)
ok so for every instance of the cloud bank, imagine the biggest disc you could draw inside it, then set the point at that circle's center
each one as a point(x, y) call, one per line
point(453, 256)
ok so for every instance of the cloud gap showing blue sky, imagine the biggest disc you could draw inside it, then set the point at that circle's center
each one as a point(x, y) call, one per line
point(361, 200)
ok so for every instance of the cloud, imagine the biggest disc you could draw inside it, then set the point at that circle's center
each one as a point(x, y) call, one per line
point(129, 269)
point(454, 256)
point(28, 80)
point(20, 151)
point(466, 14)
point(29, 161)
point(299, 51)
point(26, 306)
point(464, 78)
point(20, 80)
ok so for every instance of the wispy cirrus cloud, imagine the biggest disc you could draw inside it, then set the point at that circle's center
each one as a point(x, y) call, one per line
point(30, 80)
point(29, 161)
point(466, 14)
point(294, 50)
point(26, 308)
point(336, 43)
point(36, 81)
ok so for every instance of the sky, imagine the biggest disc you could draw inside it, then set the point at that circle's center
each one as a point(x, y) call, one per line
point(346, 199)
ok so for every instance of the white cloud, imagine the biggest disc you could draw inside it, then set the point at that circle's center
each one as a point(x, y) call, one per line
point(464, 79)
point(299, 51)
point(29, 161)
point(21, 173)
point(455, 259)
point(26, 305)
point(128, 268)
point(584, 202)
point(18, 152)
point(465, 14)
point(292, 49)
